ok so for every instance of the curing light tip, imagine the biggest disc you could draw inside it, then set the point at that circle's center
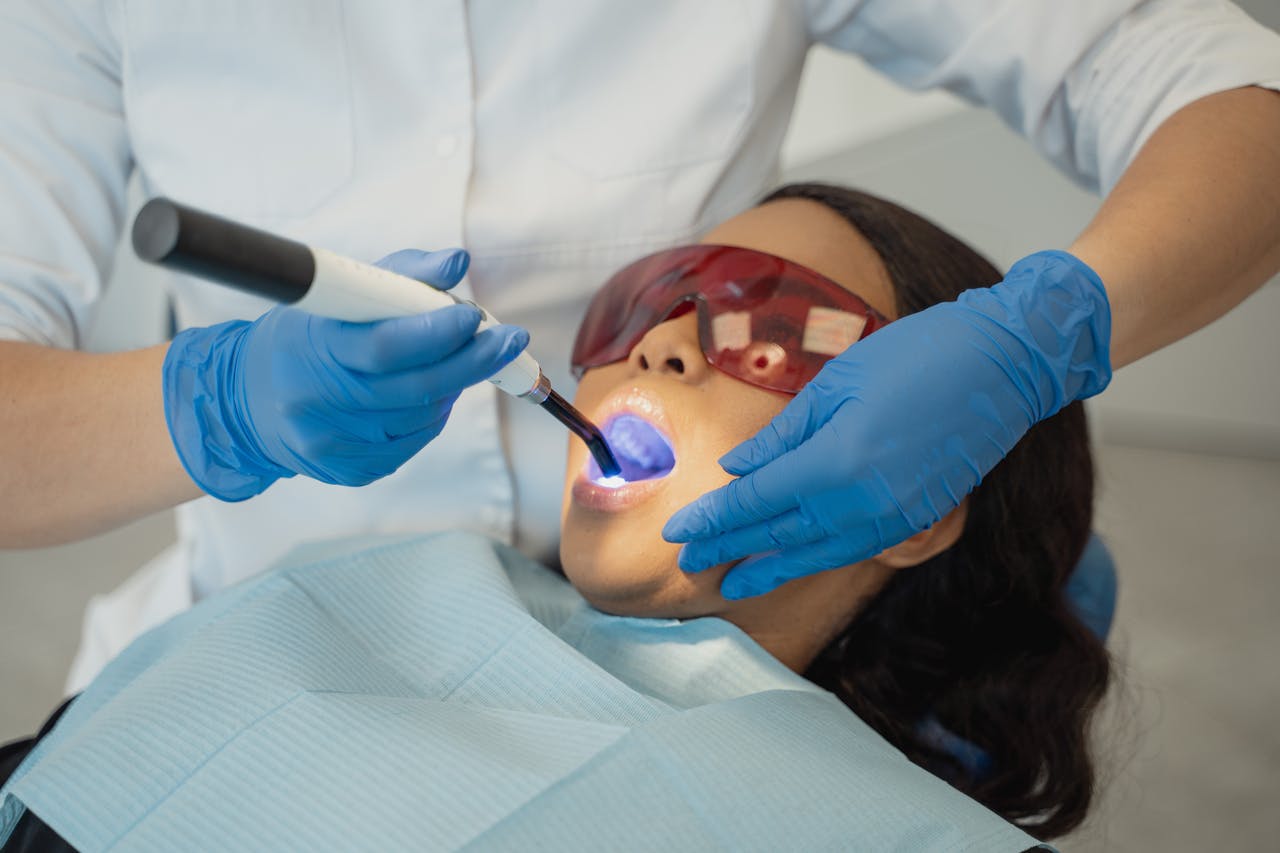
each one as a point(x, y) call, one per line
point(583, 429)
point(604, 456)
point(611, 482)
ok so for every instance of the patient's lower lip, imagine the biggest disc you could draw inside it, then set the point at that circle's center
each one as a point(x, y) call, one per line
point(605, 499)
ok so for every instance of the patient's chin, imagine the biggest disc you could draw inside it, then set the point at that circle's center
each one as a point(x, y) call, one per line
point(621, 596)
point(669, 594)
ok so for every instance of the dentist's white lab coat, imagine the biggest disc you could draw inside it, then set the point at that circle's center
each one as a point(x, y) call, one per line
point(557, 140)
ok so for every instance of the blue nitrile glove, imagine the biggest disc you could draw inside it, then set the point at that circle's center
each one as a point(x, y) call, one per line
point(348, 403)
point(893, 433)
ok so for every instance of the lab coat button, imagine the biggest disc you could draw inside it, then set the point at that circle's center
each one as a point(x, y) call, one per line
point(446, 146)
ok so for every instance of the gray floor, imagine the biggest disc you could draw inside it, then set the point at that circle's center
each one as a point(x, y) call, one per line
point(1192, 753)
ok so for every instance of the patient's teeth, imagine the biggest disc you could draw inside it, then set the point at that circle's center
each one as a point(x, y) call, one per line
point(642, 450)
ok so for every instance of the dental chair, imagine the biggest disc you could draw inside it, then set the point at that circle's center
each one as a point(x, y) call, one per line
point(1091, 589)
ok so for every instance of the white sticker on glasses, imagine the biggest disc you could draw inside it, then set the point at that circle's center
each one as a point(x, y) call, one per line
point(829, 331)
point(731, 331)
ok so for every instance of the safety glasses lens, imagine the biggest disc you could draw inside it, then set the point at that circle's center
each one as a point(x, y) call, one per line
point(761, 319)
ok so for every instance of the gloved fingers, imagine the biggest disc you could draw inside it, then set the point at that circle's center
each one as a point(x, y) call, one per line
point(788, 429)
point(389, 425)
point(357, 463)
point(399, 343)
point(442, 269)
point(473, 362)
point(486, 354)
point(327, 432)
point(407, 389)
point(742, 502)
point(403, 447)
point(760, 575)
point(787, 530)
point(398, 423)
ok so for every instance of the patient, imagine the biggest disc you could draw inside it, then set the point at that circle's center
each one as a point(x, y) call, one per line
point(390, 679)
point(964, 623)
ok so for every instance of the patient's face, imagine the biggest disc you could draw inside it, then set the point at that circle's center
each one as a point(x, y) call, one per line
point(611, 544)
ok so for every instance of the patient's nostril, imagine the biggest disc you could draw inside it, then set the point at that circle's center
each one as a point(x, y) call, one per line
point(644, 362)
point(676, 364)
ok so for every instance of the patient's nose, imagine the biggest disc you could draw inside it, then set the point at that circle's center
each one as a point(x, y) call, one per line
point(671, 348)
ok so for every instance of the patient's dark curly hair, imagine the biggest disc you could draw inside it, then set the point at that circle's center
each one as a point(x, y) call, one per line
point(980, 637)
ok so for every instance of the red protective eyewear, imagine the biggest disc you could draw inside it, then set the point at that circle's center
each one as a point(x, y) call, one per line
point(761, 319)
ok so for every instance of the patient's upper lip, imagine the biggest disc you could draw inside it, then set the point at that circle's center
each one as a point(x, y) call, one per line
point(637, 401)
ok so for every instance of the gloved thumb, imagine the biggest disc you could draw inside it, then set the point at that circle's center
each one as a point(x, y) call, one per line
point(442, 269)
point(787, 431)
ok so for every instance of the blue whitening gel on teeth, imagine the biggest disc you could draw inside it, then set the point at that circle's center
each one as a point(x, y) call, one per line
point(641, 451)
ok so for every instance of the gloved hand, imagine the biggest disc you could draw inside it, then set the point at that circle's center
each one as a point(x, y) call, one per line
point(348, 403)
point(893, 433)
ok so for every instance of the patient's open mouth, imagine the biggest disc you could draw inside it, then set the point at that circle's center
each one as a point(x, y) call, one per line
point(642, 451)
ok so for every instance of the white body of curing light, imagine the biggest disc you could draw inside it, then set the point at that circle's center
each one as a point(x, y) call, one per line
point(330, 285)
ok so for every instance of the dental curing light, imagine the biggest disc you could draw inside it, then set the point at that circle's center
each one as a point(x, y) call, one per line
point(330, 285)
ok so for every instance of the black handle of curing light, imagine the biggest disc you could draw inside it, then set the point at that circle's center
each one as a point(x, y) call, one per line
point(190, 240)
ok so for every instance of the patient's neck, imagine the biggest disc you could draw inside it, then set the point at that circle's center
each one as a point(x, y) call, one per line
point(796, 621)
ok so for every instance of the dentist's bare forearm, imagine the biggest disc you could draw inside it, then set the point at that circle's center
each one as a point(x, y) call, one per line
point(1193, 226)
point(83, 443)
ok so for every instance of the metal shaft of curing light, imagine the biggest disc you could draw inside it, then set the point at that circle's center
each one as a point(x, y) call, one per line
point(563, 411)
point(330, 285)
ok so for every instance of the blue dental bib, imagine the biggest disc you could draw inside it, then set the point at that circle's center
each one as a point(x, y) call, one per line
point(445, 693)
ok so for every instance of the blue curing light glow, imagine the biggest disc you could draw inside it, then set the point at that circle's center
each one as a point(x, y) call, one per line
point(642, 452)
